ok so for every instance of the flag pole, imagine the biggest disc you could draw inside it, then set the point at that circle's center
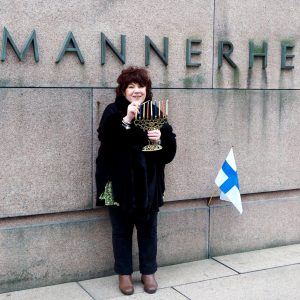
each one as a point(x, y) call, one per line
point(209, 200)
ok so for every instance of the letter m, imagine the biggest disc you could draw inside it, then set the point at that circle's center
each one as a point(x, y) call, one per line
point(7, 38)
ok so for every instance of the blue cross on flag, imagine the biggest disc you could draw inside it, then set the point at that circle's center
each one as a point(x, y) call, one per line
point(228, 182)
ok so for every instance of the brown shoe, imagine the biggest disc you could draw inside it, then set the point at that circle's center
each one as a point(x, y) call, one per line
point(125, 284)
point(150, 284)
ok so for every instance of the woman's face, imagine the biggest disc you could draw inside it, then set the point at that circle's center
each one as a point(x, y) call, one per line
point(134, 92)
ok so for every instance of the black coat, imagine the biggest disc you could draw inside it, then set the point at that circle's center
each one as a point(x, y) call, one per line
point(137, 177)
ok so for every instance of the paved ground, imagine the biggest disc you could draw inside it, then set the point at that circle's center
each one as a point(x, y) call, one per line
point(264, 274)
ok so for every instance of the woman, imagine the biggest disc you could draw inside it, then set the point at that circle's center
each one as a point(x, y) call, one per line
point(129, 181)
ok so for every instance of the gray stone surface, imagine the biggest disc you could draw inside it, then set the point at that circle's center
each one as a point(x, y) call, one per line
point(262, 126)
point(236, 21)
point(187, 240)
point(268, 220)
point(243, 21)
point(52, 249)
point(45, 151)
point(262, 259)
point(191, 272)
point(107, 287)
point(51, 169)
point(278, 283)
point(87, 19)
point(163, 294)
point(207, 279)
point(67, 291)
point(183, 232)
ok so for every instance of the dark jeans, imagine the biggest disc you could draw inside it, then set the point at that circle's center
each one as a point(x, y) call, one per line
point(122, 229)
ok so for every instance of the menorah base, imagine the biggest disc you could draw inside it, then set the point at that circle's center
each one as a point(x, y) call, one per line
point(151, 124)
point(152, 147)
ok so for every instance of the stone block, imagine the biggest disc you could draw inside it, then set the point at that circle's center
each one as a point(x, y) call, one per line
point(278, 283)
point(187, 241)
point(168, 276)
point(107, 287)
point(243, 21)
point(46, 140)
point(161, 294)
point(54, 249)
point(87, 19)
point(262, 126)
point(184, 273)
point(268, 220)
point(262, 259)
point(57, 248)
point(67, 291)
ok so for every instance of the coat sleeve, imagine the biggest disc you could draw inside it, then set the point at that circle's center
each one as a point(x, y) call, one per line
point(111, 133)
point(102, 174)
point(113, 137)
point(168, 142)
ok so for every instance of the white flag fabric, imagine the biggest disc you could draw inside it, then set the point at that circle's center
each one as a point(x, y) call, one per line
point(228, 182)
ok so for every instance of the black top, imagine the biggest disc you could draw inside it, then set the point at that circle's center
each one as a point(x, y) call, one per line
point(137, 177)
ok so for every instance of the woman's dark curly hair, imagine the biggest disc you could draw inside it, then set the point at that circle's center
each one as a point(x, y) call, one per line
point(134, 75)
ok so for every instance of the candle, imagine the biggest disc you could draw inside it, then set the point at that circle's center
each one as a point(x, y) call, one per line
point(136, 111)
point(144, 111)
point(155, 108)
point(158, 108)
point(140, 111)
point(167, 107)
point(151, 109)
point(163, 108)
point(146, 107)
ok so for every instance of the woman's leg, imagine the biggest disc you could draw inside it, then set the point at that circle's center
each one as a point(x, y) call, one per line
point(122, 228)
point(147, 242)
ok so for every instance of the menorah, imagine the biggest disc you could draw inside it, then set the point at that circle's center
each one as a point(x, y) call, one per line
point(152, 115)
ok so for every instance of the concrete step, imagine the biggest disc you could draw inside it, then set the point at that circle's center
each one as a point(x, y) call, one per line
point(272, 273)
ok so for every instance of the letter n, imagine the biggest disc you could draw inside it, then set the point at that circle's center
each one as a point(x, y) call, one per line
point(163, 56)
point(105, 41)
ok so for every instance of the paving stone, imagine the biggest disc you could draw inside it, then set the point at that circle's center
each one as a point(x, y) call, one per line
point(67, 291)
point(102, 288)
point(191, 272)
point(262, 259)
point(107, 287)
point(162, 294)
point(279, 283)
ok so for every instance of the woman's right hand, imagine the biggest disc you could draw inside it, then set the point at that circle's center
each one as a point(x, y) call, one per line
point(131, 110)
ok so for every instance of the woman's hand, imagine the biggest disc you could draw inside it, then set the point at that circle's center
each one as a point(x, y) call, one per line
point(154, 135)
point(131, 110)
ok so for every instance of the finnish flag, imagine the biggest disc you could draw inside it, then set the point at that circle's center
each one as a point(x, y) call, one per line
point(228, 182)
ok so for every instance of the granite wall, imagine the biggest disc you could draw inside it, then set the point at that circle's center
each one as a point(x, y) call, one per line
point(49, 114)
